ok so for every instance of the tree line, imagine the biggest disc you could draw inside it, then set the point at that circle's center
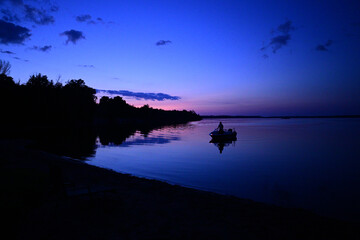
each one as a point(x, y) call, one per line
point(43, 102)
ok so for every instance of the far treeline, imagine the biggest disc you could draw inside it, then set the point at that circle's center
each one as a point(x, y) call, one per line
point(41, 102)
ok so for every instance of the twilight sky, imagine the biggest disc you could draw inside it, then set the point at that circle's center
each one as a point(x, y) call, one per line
point(214, 57)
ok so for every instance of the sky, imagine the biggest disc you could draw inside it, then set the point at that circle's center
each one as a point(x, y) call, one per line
point(215, 57)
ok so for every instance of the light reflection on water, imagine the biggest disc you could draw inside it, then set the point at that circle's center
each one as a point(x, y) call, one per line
point(309, 163)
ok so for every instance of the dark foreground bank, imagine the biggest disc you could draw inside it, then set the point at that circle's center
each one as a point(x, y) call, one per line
point(44, 196)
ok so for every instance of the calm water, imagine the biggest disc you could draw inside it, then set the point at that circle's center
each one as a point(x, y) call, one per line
point(308, 163)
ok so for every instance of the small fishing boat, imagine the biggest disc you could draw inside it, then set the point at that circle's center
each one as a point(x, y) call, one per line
point(228, 134)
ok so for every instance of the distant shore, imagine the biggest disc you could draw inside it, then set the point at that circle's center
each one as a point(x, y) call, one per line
point(283, 117)
point(46, 196)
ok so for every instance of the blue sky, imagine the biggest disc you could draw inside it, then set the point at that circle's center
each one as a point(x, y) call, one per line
point(223, 57)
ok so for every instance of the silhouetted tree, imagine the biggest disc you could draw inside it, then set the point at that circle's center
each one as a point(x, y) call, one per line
point(116, 110)
point(5, 67)
point(39, 81)
point(79, 101)
point(6, 82)
point(40, 102)
point(8, 99)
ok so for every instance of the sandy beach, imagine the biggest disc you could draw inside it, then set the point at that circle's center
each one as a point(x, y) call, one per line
point(45, 196)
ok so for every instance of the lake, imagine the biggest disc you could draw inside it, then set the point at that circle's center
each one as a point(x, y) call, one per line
point(307, 163)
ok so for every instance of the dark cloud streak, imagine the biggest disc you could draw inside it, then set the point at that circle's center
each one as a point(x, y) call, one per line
point(87, 18)
point(162, 42)
point(12, 33)
point(86, 66)
point(8, 16)
point(6, 52)
point(38, 16)
point(321, 48)
point(279, 41)
point(20, 59)
point(324, 47)
point(282, 38)
point(140, 95)
point(45, 48)
point(54, 8)
point(83, 18)
point(28, 12)
point(329, 43)
point(286, 27)
point(14, 2)
point(73, 36)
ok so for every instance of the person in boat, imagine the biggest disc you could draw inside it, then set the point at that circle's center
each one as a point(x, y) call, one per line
point(221, 128)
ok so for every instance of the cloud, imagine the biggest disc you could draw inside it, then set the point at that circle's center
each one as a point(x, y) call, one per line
point(87, 66)
point(8, 16)
point(6, 52)
point(12, 33)
point(45, 48)
point(38, 16)
point(279, 41)
point(162, 42)
point(14, 2)
point(83, 18)
point(282, 37)
point(17, 11)
point(20, 59)
point(140, 95)
point(321, 48)
point(329, 43)
point(148, 141)
point(54, 8)
point(286, 27)
point(324, 47)
point(73, 36)
point(87, 18)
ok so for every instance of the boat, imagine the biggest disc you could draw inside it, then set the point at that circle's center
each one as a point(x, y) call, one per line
point(228, 134)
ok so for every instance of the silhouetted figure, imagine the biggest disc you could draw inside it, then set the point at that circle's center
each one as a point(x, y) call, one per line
point(221, 127)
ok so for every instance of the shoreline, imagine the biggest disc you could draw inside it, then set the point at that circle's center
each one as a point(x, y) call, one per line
point(53, 197)
point(281, 117)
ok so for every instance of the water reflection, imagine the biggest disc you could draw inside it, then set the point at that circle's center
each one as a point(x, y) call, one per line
point(82, 143)
point(307, 163)
point(125, 137)
point(138, 139)
point(220, 144)
point(114, 136)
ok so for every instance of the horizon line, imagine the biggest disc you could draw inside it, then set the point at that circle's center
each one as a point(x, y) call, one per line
point(282, 116)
